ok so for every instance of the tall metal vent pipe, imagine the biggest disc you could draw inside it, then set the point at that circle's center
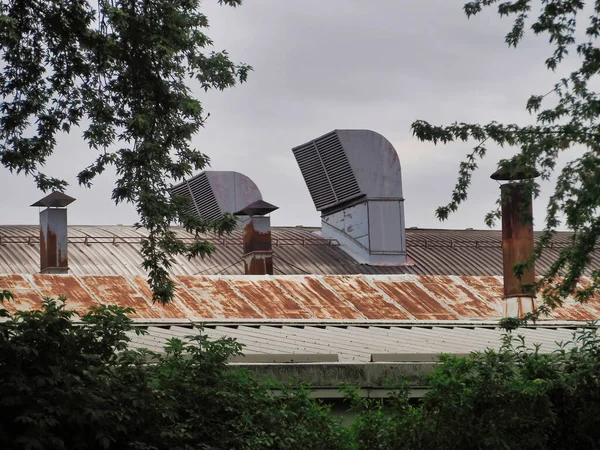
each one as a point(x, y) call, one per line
point(517, 241)
point(258, 250)
point(54, 255)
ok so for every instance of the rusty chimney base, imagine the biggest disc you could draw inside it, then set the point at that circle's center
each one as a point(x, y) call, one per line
point(258, 263)
point(518, 306)
point(258, 253)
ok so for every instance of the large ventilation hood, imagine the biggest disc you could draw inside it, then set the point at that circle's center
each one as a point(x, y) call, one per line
point(213, 193)
point(355, 181)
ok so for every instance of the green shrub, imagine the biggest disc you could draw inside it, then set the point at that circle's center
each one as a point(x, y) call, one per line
point(68, 385)
point(514, 398)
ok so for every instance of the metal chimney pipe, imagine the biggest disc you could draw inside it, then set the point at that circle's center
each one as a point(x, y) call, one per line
point(258, 251)
point(517, 247)
point(53, 233)
point(517, 238)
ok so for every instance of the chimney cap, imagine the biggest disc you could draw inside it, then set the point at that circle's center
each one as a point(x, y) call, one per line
point(514, 172)
point(55, 200)
point(257, 208)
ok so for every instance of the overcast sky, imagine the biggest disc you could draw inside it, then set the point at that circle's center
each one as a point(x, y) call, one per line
point(326, 64)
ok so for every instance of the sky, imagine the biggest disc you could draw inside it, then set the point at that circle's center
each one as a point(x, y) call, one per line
point(339, 64)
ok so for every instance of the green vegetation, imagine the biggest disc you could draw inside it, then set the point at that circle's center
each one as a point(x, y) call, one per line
point(67, 384)
point(515, 398)
point(567, 117)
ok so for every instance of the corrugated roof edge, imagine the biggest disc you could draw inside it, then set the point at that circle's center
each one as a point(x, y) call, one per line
point(342, 323)
point(140, 323)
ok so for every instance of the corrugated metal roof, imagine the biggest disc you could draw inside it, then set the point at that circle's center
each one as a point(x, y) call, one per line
point(354, 344)
point(115, 250)
point(361, 298)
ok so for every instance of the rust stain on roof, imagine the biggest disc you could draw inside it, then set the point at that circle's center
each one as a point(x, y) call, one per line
point(572, 311)
point(176, 308)
point(363, 297)
point(268, 297)
point(348, 297)
point(415, 300)
point(26, 297)
point(459, 298)
point(184, 302)
point(322, 302)
point(218, 298)
point(488, 288)
point(593, 302)
point(13, 282)
point(69, 286)
point(117, 291)
point(25, 300)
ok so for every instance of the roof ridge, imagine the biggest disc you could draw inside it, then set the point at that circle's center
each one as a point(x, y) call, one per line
point(285, 227)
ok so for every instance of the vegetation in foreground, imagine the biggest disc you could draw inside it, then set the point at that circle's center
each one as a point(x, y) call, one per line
point(72, 384)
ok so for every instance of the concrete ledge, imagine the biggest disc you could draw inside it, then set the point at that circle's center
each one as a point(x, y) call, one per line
point(284, 358)
point(335, 394)
point(410, 357)
point(330, 376)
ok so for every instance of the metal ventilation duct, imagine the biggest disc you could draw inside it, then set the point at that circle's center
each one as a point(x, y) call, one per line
point(214, 193)
point(355, 180)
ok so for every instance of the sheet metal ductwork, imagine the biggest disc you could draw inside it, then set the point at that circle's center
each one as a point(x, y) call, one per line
point(213, 193)
point(355, 181)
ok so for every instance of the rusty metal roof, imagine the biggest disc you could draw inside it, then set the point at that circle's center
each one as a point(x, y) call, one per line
point(297, 298)
point(114, 250)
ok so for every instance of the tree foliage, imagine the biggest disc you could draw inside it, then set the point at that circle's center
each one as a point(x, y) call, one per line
point(70, 384)
point(516, 398)
point(572, 28)
point(120, 73)
point(73, 385)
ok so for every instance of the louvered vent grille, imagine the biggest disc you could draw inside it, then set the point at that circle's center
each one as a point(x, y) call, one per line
point(327, 172)
point(204, 197)
point(203, 201)
point(183, 190)
point(337, 167)
point(314, 175)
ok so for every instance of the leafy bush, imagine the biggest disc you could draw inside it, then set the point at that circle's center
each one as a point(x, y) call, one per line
point(514, 398)
point(67, 384)
point(70, 385)
point(380, 425)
